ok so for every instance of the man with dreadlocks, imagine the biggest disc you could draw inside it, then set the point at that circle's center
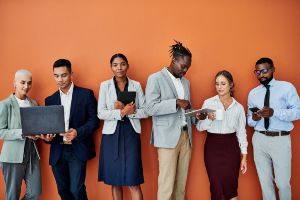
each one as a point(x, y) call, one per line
point(167, 99)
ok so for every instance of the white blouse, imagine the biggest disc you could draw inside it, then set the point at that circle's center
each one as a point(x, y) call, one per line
point(234, 121)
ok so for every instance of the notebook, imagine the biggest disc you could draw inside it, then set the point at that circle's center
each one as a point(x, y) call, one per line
point(127, 97)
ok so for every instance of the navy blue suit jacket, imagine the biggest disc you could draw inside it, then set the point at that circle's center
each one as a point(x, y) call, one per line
point(83, 118)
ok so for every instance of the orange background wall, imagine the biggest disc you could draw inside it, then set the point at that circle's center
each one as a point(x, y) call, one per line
point(228, 35)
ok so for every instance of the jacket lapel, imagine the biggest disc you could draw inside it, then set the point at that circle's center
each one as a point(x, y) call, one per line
point(16, 108)
point(73, 102)
point(185, 88)
point(131, 85)
point(170, 82)
point(56, 98)
point(32, 103)
point(112, 90)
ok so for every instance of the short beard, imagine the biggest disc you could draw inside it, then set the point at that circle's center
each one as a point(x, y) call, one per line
point(267, 81)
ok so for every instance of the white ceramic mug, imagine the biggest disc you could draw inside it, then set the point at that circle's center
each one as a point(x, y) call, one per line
point(220, 114)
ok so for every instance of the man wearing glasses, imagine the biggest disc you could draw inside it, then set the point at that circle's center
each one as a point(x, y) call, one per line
point(272, 106)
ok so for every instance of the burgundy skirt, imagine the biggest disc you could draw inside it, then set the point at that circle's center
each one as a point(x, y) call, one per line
point(222, 162)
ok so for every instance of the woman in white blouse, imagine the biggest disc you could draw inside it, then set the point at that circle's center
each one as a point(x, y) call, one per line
point(226, 144)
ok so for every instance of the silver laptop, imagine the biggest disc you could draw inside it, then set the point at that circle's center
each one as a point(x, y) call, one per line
point(42, 120)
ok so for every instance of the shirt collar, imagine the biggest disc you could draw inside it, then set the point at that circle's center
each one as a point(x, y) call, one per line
point(172, 76)
point(70, 91)
point(21, 100)
point(271, 83)
point(217, 98)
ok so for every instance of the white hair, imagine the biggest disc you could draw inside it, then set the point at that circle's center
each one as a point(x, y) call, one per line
point(22, 72)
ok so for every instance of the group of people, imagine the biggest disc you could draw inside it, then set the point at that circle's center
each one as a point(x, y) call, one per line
point(272, 106)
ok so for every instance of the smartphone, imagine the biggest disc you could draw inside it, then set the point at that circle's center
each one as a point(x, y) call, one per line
point(255, 109)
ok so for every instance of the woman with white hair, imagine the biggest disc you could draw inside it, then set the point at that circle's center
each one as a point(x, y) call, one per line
point(19, 156)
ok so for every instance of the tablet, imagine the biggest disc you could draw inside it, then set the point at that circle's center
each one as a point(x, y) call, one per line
point(42, 120)
point(127, 97)
point(202, 110)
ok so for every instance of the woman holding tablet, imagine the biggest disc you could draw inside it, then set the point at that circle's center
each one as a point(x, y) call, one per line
point(120, 161)
point(226, 140)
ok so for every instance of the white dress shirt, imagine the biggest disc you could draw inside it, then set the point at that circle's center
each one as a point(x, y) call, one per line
point(66, 100)
point(180, 92)
point(234, 121)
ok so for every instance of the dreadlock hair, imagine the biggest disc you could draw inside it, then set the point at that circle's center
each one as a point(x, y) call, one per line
point(178, 50)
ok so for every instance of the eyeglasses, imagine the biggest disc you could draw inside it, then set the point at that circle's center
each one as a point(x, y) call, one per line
point(263, 71)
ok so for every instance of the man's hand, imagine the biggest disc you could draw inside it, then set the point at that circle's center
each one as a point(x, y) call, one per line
point(184, 104)
point(129, 109)
point(70, 135)
point(201, 116)
point(266, 112)
point(33, 137)
point(119, 105)
point(47, 137)
point(256, 116)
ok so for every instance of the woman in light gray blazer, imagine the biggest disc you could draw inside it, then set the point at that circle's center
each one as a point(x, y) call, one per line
point(120, 162)
point(19, 156)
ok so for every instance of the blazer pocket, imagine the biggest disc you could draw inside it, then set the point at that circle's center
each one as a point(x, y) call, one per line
point(161, 123)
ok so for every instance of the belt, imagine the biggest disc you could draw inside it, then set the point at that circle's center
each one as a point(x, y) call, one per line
point(185, 128)
point(275, 133)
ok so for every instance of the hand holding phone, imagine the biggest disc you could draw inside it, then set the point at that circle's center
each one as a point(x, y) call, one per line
point(254, 109)
point(255, 113)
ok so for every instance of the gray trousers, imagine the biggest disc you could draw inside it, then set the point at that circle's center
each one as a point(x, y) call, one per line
point(29, 171)
point(272, 156)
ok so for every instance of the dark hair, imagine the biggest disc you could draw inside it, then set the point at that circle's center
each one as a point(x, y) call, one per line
point(229, 77)
point(178, 50)
point(118, 55)
point(265, 60)
point(63, 63)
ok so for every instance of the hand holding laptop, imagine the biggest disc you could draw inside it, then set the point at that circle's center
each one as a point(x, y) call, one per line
point(46, 137)
point(33, 137)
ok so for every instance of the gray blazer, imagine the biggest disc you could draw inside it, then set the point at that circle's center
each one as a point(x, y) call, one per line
point(161, 98)
point(10, 130)
point(110, 115)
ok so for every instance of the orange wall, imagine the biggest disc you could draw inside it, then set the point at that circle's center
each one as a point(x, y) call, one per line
point(221, 35)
